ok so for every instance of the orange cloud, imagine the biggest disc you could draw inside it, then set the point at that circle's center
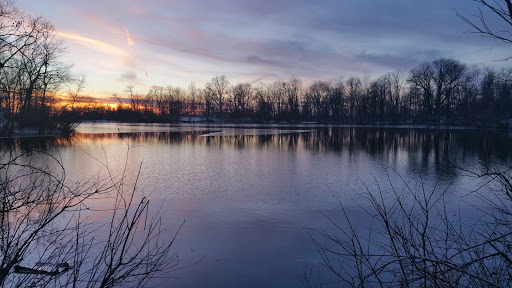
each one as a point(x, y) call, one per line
point(92, 43)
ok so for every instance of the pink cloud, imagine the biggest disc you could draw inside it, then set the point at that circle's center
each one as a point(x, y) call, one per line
point(129, 38)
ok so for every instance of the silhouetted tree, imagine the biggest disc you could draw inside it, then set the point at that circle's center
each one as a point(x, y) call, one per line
point(242, 96)
point(193, 99)
point(30, 71)
point(354, 91)
point(337, 101)
point(396, 85)
point(219, 86)
point(264, 105)
point(209, 98)
point(277, 91)
point(438, 81)
point(292, 90)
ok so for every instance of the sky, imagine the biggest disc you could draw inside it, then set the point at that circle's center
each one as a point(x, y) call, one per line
point(116, 43)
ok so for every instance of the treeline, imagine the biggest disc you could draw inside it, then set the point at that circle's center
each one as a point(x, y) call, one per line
point(441, 91)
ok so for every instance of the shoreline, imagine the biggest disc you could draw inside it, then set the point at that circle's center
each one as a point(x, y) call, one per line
point(30, 133)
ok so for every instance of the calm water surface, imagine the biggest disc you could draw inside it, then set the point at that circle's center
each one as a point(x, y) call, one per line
point(250, 194)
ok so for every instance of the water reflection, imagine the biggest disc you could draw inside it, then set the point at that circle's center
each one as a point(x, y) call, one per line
point(422, 148)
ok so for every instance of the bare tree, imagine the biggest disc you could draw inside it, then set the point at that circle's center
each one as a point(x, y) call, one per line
point(277, 92)
point(337, 101)
point(193, 101)
point(209, 100)
point(438, 81)
point(242, 94)
point(264, 107)
point(354, 91)
point(319, 93)
point(30, 70)
point(68, 117)
point(220, 88)
point(396, 84)
point(292, 89)
point(134, 100)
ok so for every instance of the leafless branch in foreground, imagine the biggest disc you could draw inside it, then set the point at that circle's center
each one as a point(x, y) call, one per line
point(416, 240)
point(45, 219)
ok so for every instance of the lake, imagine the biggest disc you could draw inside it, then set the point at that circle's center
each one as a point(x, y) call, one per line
point(251, 195)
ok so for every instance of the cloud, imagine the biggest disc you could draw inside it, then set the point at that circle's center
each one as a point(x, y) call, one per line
point(404, 61)
point(129, 38)
point(129, 76)
point(92, 43)
point(255, 59)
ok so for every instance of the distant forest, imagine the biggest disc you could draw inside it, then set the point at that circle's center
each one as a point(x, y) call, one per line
point(441, 91)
